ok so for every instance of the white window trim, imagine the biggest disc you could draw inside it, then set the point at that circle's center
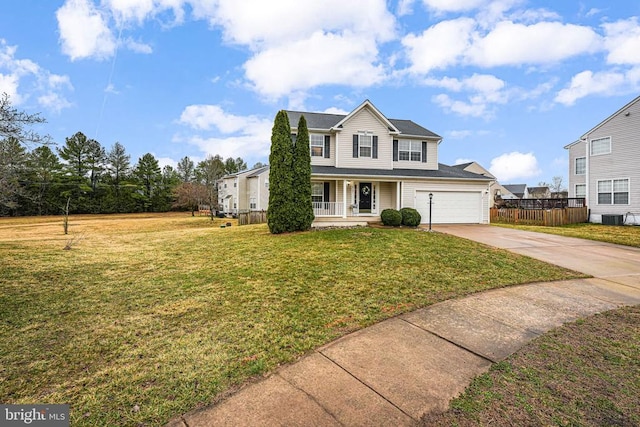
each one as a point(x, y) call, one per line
point(599, 139)
point(410, 142)
point(318, 184)
point(317, 144)
point(614, 192)
point(575, 193)
point(576, 166)
point(360, 146)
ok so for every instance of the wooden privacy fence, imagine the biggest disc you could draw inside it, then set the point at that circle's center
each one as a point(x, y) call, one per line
point(546, 217)
point(252, 217)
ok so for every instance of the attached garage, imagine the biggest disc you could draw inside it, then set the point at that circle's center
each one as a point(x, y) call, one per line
point(450, 207)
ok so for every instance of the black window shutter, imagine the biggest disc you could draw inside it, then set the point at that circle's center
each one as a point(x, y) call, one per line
point(374, 148)
point(355, 146)
point(424, 152)
point(395, 150)
point(326, 192)
point(327, 146)
point(294, 137)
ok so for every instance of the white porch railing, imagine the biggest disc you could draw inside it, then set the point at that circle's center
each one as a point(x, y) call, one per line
point(328, 208)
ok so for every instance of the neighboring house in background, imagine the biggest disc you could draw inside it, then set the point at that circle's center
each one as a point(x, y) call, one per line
point(495, 189)
point(243, 191)
point(501, 192)
point(603, 166)
point(518, 190)
point(542, 192)
point(363, 163)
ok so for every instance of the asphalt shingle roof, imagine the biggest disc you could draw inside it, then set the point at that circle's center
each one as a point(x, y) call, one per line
point(443, 171)
point(327, 121)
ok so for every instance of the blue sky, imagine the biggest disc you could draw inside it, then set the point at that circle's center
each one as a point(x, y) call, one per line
point(506, 83)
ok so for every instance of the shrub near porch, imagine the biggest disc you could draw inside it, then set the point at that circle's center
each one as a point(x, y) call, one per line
point(150, 316)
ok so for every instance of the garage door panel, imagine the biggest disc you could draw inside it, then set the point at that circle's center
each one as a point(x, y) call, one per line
point(450, 207)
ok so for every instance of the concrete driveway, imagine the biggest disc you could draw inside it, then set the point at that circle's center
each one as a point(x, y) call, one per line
point(615, 263)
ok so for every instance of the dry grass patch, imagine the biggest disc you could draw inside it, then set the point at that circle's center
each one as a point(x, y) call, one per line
point(163, 313)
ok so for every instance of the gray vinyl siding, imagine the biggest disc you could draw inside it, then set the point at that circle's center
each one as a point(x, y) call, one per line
point(575, 151)
point(364, 120)
point(621, 163)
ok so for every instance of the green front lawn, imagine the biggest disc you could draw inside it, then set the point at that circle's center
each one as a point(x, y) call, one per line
point(585, 373)
point(150, 316)
point(619, 234)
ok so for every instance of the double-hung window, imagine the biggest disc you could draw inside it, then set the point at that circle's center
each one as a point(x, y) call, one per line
point(581, 190)
point(252, 203)
point(317, 192)
point(316, 143)
point(613, 192)
point(410, 150)
point(365, 143)
point(581, 165)
point(601, 146)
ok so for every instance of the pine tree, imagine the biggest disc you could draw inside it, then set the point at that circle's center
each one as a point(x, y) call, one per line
point(302, 206)
point(279, 213)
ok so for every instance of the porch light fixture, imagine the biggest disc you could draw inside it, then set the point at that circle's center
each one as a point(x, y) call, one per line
point(430, 202)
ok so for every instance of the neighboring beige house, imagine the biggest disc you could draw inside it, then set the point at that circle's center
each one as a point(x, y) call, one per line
point(603, 166)
point(243, 191)
point(363, 163)
point(495, 189)
point(519, 191)
point(542, 192)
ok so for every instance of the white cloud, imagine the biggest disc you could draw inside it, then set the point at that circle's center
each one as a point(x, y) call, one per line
point(252, 22)
point(622, 40)
point(84, 31)
point(541, 43)
point(453, 5)
point(599, 83)
point(405, 7)
point(137, 47)
point(140, 10)
point(23, 78)
point(461, 107)
point(484, 89)
point(439, 46)
point(246, 136)
point(278, 71)
point(166, 161)
point(514, 166)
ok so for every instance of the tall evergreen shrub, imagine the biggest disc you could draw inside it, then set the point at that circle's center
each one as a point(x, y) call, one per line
point(279, 215)
point(302, 208)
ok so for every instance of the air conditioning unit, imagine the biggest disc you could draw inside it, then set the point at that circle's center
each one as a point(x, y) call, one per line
point(612, 219)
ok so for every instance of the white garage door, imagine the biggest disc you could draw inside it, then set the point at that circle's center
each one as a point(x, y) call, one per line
point(450, 207)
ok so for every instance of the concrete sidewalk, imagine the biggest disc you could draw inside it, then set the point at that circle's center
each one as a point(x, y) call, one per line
point(397, 370)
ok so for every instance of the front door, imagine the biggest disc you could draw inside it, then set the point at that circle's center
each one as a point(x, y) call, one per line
point(366, 190)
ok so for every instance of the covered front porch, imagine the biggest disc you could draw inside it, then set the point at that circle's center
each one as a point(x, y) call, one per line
point(360, 199)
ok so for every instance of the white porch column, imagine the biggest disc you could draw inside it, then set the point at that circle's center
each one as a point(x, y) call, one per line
point(398, 195)
point(344, 198)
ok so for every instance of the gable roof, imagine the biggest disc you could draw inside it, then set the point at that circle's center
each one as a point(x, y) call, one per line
point(637, 99)
point(258, 171)
point(541, 189)
point(331, 122)
point(517, 189)
point(465, 166)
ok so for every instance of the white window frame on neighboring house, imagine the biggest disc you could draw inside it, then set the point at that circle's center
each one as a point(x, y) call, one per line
point(252, 203)
point(317, 192)
point(583, 193)
point(316, 144)
point(581, 166)
point(600, 146)
point(365, 144)
point(409, 151)
point(266, 184)
point(613, 191)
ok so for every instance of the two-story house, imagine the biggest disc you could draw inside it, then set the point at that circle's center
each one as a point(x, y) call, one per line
point(363, 163)
point(244, 191)
point(603, 166)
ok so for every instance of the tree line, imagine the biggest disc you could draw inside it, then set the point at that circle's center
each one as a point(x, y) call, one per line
point(94, 179)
